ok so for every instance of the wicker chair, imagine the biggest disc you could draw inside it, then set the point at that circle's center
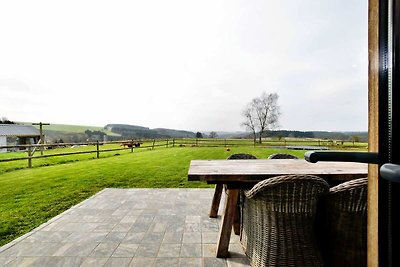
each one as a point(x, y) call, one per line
point(219, 187)
point(278, 221)
point(282, 156)
point(345, 231)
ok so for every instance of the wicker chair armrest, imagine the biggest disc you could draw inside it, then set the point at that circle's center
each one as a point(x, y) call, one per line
point(350, 185)
point(276, 181)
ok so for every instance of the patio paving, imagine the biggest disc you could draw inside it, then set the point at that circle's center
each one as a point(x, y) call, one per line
point(128, 227)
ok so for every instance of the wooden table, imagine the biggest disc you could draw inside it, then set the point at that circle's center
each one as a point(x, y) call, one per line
point(239, 174)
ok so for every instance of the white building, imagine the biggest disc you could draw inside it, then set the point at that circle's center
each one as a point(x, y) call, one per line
point(13, 134)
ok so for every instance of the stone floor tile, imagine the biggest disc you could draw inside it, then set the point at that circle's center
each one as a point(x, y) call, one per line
point(129, 219)
point(169, 250)
point(190, 262)
point(158, 227)
point(166, 262)
point(135, 227)
point(153, 237)
point(6, 260)
point(236, 251)
point(214, 262)
point(190, 250)
point(122, 227)
point(26, 249)
point(193, 219)
point(48, 237)
point(75, 249)
point(142, 262)
point(238, 262)
point(23, 262)
point(104, 227)
point(235, 239)
point(94, 262)
point(209, 250)
point(125, 250)
point(191, 237)
point(175, 227)
point(192, 227)
point(118, 262)
point(87, 238)
point(147, 250)
point(209, 237)
point(59, 261)
point(171, 237)
point(114, 237)
point(133, 238)
point(104, 250)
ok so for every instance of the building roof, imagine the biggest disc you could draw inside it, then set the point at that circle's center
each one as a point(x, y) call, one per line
point(18, 130)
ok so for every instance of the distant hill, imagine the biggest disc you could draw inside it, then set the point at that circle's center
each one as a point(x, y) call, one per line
point(362, 136)
point(134, 131)
point(82, 133)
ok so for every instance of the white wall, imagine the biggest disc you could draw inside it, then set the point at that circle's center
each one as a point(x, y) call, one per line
point(3, 142)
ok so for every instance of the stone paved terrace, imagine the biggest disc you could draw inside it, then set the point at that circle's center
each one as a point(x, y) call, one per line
point(128, 227)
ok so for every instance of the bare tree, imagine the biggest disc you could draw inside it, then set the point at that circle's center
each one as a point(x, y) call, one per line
point(262, 114)
point(213, 134)
point(250, 121)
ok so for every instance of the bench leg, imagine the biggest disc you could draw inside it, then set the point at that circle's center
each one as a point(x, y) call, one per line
point(236, 221)
point(227, 221)
point(216, 200)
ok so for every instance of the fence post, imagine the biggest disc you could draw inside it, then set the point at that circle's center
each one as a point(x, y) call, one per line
point(167, 142)
point(173, 142)
point(197, 142)
point(225, 142)
point(132, 146)
point(154, 140)
point(97, 148)
point(29, 156)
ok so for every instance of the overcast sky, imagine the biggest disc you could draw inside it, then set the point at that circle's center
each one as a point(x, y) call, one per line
point(190, 65)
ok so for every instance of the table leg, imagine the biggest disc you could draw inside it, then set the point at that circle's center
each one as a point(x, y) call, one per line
point(216, 200)
point(227, 221)
point(236, 221)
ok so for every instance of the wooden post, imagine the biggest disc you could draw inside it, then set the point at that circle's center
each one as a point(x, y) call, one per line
point(225, 142)
point(154, 141)
point(167, 142)
point(41, 135)
point(97, 148)
point(29, 156)
point(132, 146)
point(373, 130)
point(173, 142)
point(197, 142)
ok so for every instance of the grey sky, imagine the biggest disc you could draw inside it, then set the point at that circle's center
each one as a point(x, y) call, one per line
point(186, 64)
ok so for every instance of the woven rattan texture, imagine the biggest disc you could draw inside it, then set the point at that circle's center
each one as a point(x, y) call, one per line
point(278, 221)
point(241, 156)
point(282, 156)
point(345, 213)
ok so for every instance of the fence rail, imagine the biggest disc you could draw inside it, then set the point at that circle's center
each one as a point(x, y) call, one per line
point(160, 143)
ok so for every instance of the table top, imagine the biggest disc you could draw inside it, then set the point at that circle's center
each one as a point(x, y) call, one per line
point(225, 171)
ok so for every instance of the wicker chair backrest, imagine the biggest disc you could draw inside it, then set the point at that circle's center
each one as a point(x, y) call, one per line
point(346, 224)
point(278, 221)
point(289, 193)
point(241, 156)
point(282, 156)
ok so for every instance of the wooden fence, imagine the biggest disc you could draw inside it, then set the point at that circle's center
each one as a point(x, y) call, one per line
point(98, 147)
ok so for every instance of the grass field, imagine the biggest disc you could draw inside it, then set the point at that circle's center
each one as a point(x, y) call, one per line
point(30, 197)
point(72, 128)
